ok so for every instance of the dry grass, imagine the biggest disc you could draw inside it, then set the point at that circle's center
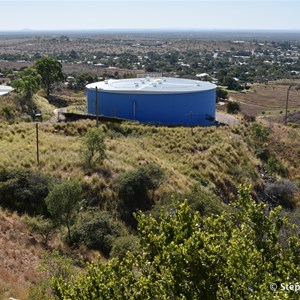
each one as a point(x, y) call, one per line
point(19, 256)
point(211, 154)
point(218, 158)
point(270, 99)
point(285, 144)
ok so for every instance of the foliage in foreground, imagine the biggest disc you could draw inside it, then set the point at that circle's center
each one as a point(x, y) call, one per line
point(234, 255)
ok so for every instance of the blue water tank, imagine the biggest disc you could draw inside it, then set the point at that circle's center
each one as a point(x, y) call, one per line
point(167, 101)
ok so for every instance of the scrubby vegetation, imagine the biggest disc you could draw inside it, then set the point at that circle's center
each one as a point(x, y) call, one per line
point(183, 256)
point(117, 191)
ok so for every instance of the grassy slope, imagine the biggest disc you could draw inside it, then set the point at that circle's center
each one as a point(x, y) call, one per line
point(217, 157)
point(20, 252)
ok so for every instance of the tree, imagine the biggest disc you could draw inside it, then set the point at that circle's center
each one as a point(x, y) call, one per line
point(93, 147)
point(221, 94)
point(28, 82)
point(63, 202)
point(136, 190)
point(232, 107)
point(232, 83)
point(96, 230)
point(134, 185)
point(43, 227)
point(50, 71)
point(24, 191)
point(235, 255)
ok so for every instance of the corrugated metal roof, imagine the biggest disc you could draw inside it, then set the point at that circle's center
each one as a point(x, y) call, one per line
point(163, 85)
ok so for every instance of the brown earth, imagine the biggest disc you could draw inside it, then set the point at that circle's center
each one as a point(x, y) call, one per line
point(268, 99)
point(20, 252)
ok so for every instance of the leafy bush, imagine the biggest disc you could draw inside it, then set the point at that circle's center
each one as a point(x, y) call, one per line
point(93, 147)
point(204, 202)
point(259, 133)
point(275, 166)
point(282, 192)
point(184, 256)
point(136, 190)
point(96, 230)
point(232, 107)
point(133, 186)
point(123, 244)
point(43, 227)
point(24, 191)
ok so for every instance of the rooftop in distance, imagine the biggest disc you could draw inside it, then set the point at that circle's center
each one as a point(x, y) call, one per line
point(149, 85)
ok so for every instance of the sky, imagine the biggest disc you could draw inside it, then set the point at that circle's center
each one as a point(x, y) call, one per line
point(145, 14)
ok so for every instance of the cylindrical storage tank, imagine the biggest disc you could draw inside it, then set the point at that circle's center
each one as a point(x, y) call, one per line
point(168, 101)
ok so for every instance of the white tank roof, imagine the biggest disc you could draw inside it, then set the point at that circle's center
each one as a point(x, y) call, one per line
point(150, 85)
point(4, 89)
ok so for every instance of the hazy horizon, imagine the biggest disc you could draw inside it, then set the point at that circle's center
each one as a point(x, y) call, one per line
point(66, 15)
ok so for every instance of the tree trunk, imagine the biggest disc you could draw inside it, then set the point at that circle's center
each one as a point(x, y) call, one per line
point(69, 234)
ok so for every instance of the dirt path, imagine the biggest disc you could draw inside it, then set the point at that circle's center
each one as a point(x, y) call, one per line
point(57, 114)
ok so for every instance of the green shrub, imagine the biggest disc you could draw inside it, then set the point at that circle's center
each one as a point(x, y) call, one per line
point(24, 191)
point(136, 190)
point(259, 133)
point(93, 147)
point(200, 199)
point(123, 244)
point(96, 230)
point(275, 166)
point(43, 227)
point(232, 107)
point(282, 192)
point(184, 256)
point(134, 185)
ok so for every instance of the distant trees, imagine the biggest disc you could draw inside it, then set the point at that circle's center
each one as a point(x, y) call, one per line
point(50, 71)
point(232, 83)
point(221, 94)
point(28, 82)
point(46, 71)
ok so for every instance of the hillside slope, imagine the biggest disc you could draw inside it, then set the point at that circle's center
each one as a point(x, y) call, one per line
point(20, 252)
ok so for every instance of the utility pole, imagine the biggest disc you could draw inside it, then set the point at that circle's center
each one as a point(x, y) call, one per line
point(37, 143)
point(97, 117)
point(190, 114)
point(191, 122)
point(287, 103)
point(31, 103)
